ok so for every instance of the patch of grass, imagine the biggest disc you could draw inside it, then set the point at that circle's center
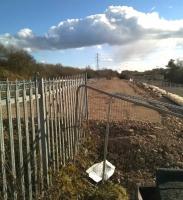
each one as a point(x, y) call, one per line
point(108, 191)
point(72, 182)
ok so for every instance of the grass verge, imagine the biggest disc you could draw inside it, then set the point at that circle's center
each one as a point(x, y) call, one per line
point(72, 182)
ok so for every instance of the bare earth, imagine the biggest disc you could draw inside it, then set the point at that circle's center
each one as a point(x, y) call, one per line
point(139, 140)
point(120, 109)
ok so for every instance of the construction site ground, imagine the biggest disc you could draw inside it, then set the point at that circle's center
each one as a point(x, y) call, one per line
point(140, 141)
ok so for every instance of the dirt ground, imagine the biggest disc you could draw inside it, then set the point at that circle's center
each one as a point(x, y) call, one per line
point(115, 85)
point(138, 143)
point(120, 110)
point(137, 149)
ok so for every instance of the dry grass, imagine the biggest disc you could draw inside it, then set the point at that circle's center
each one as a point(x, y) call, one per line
point(72, 183)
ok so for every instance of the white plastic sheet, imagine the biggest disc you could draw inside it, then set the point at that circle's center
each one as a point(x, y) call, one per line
point(95, 172)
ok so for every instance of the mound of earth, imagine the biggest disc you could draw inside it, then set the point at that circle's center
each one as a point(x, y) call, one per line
point(137, 149)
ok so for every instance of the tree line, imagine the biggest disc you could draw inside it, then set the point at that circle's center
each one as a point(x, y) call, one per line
point(173, 72)
point(19, 64)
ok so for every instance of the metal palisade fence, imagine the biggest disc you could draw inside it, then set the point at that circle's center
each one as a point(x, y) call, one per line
point(38, 132)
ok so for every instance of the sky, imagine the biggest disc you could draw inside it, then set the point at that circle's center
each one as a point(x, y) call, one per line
point(133, 35)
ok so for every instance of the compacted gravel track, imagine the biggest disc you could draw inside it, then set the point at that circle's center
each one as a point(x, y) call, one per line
point(120, 109)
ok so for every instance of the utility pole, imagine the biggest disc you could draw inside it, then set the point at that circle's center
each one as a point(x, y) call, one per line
point(97, 60)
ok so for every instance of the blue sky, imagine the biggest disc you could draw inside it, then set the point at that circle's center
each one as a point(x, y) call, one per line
point(39, 16)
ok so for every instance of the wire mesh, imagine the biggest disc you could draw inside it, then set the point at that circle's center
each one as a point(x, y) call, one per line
point(144, 134)
point(120, 109)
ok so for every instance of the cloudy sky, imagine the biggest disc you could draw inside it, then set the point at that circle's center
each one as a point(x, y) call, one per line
point(134, 35)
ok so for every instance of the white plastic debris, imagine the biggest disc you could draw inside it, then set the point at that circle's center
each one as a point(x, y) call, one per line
point(95, 172)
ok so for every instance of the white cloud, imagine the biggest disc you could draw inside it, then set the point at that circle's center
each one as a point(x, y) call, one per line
point(99, 46)
point(43, 61)
point(25, 33)
point(118, 25)
point(138, 49)
point(80, 48)
point(132, 34)
point(29, 50)
point(107, 59)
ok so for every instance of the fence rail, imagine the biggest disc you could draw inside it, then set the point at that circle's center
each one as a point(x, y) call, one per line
point(37, 133)
point(168, 86)
point(161, 83)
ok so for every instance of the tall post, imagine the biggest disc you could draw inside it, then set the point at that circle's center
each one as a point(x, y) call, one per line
point(76, 121)
point(106, 139)
point(97, 60)
point(43, 132)
point(86, 98)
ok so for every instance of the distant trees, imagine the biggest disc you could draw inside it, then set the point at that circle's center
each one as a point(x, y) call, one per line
point(174, 72)
point(21, 64)
point(127, 74)
point(107, 73)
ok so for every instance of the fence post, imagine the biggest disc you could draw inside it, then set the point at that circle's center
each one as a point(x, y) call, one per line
point(106, 139)
point(2, 153)
point(86, 98)
point(43, 131)
point(11, 137)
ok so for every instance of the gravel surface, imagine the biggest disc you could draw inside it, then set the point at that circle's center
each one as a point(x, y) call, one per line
point(98, 103)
